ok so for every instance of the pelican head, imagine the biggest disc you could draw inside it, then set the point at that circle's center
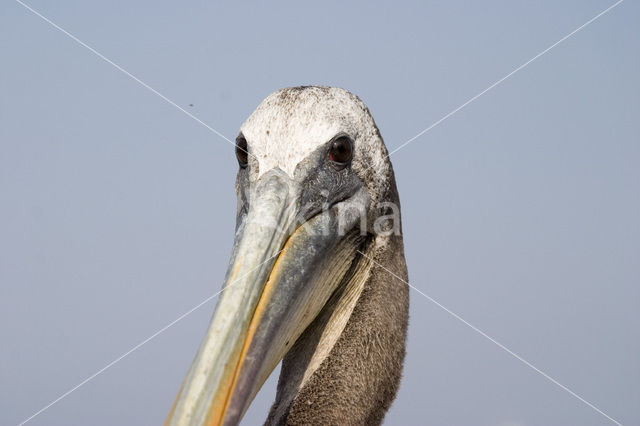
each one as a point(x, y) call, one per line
point(316, 197)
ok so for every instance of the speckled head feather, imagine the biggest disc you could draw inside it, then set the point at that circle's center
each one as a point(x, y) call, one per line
point(292, 122)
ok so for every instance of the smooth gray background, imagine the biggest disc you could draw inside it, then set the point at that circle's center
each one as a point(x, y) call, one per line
point(521, 212)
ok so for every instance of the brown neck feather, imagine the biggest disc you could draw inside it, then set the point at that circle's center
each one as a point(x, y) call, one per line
point(358, 379)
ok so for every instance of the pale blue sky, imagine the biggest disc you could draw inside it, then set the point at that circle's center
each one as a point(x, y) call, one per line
point(521, 212)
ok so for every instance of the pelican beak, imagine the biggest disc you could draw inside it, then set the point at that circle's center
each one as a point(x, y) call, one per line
point(284, 267)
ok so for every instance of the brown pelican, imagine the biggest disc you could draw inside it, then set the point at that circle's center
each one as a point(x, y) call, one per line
point(317, 225)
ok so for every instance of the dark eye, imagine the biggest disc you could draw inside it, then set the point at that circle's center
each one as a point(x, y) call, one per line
point(242, 151)
point(341, 151)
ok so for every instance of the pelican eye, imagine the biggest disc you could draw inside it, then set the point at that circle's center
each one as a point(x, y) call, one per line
point(341, 151)
point(242, 152)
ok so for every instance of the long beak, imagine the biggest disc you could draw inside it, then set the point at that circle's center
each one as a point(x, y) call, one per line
point(278, 280)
